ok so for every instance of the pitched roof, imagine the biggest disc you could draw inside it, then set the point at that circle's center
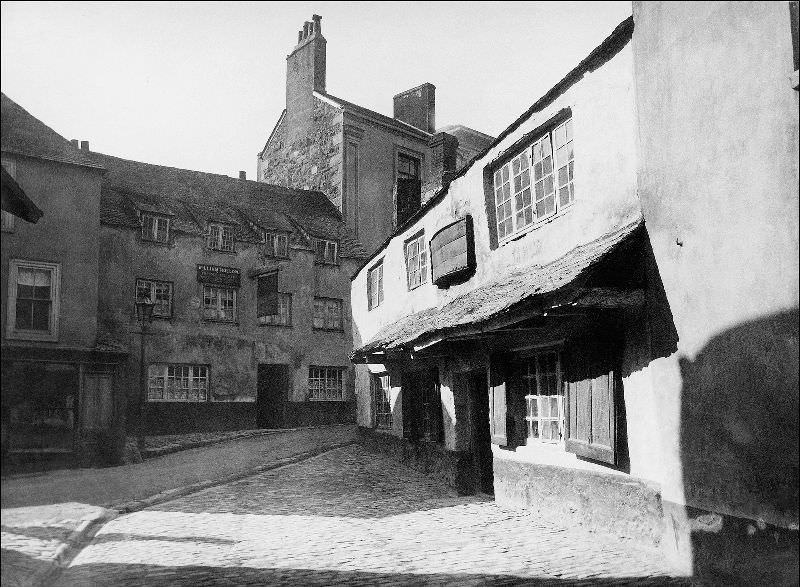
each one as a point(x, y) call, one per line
point(24, 134)
point(366, 112)
point(193, 198)
point(503, 294)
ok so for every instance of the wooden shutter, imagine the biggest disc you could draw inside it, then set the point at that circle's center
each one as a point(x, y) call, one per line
point(268, 294)
point(591, 402)
point(98, 408)
point(497, 401)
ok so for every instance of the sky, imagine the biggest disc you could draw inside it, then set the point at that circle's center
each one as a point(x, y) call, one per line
point(200, 85)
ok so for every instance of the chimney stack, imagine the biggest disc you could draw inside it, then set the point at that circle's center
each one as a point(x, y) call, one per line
point(75, 143)
point(444, 149)
point(84, 145)
point(242, 175)
point(417, 107)
point(305, 74)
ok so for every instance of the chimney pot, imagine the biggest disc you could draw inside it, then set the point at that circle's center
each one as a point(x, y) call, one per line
point(299, 36)
point(242, 175)
point(306, 29)
point(84, 145)
point(317, 23)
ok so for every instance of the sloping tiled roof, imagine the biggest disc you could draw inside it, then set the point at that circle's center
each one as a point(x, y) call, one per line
point(192, 198)
point(503, 294)
point(388, 120)
point(24, 134)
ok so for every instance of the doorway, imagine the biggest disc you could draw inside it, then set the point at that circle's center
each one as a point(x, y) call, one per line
point(274, 385)
point(481, 440)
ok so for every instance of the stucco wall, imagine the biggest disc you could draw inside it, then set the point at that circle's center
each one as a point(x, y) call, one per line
point(233, 350)
point(718, 134)
point(67, 234)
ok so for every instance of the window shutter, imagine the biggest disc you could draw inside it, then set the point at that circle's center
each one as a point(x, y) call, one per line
point(268, 294)
point(497, 401)
point(591, 403)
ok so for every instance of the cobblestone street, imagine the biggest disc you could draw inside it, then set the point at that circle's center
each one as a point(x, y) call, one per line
point(350, 516)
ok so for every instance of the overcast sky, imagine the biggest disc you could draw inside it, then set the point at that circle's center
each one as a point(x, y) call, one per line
point(200, 85)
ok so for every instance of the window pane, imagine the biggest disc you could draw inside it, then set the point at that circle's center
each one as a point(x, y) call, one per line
point(24, 315)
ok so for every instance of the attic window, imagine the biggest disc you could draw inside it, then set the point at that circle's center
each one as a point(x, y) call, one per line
point(327, 251)
point(220, 237)
point(155, 228)
point(276, 244)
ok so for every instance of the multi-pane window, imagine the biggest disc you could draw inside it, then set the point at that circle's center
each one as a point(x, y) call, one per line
point(537, 183)
point(416, 261)
point(155, 228)
point(284, 315)
point(177, 383)
point(326, 250)
point(326, 383)
point(34, 295)
point(431, 411)
point(544, 397)
point(219, 303)
point(407, 166)
point(276, 244)
point(380, 387)
point(328, 313)
point(565, 163)
point(158, 293)
point(375, 286)
point(220, 237)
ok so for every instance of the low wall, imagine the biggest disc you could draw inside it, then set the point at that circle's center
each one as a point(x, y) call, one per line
point(454, 468)
point(183, 417)
point(299, 414)
point(624, 506)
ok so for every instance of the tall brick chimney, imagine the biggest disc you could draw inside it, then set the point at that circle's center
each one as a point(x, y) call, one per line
point(305, 74)
point(417, 107)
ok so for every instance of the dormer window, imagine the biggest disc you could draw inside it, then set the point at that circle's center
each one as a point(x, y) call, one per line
point(276, 244)
point(536, 183)
point(327, 251)
point(155, 228)
point(220, 237)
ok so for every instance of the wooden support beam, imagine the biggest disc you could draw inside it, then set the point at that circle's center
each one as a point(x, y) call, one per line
point(609, 298)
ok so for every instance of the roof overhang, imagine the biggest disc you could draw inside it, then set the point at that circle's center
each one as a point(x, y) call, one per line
point(15, 201)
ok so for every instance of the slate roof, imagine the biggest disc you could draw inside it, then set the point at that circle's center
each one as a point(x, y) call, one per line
point(193, 198)
point(24, 134)
point(500, 296)
point(388, 120)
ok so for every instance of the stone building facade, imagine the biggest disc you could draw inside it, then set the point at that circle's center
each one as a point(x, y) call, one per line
point(60, 376)
point(353, 154)
point(251, 326)
point(560, 326)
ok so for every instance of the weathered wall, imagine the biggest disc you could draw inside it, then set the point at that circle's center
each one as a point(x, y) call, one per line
point(311, 162)
point(233, 350)
point(69, 196)
point(718, 135)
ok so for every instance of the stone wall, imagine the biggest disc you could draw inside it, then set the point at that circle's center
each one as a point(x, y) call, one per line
point(313, 162)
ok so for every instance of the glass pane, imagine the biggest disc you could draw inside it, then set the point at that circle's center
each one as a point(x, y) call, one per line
point(24, 315)
point(526, 197)
point(548, 184)
point(546, 150)
point(41, 315)
point(505, 173)
point(533, 407)
point(529, 215)
point(568, 126)
point(526, 178)
point(497, 179)
point(554, 430)
point(554, 406)
point(550, 204)
point(562, 176)
point(540, 209)
point(516, 165)
point(548, 165)
point(535, 429)
point(571, 169)
point(544, 406)
point(537, 171)
point(563, 195)
point(539, 190)
point(517, 183)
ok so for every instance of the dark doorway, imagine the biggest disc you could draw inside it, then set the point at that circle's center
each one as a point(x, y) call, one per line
point(481, 440)
point(274, 384)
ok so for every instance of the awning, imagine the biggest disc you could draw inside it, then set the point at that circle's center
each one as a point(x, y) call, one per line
point(15, 201)
point(503, 296)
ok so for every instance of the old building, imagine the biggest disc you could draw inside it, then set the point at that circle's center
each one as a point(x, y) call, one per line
point(251, 323)
point(595, 319)
point(59, 378)
point(353, 154)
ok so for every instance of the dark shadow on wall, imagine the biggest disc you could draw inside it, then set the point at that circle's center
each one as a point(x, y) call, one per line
point(739, 452)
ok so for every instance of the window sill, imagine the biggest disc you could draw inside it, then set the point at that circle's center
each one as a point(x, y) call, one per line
point(215, 321)
point(32, 336)
point(417, 286)
point(275, 325)
point(536, 225)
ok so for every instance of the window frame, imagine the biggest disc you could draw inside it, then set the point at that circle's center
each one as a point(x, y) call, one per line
point(326, 301)
point(282, 297)
point(219, 308)
point(415, 158)
point(219, 243)
point(322, 375)
point(375, 288)
point(382, 419)
point(327, 243)
point(421, 268)
point(500, 180)
point(153, 283)
point(532, 382)
point(12, 332)
point(165, 377)
point(143, 216)
point(272, 251)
